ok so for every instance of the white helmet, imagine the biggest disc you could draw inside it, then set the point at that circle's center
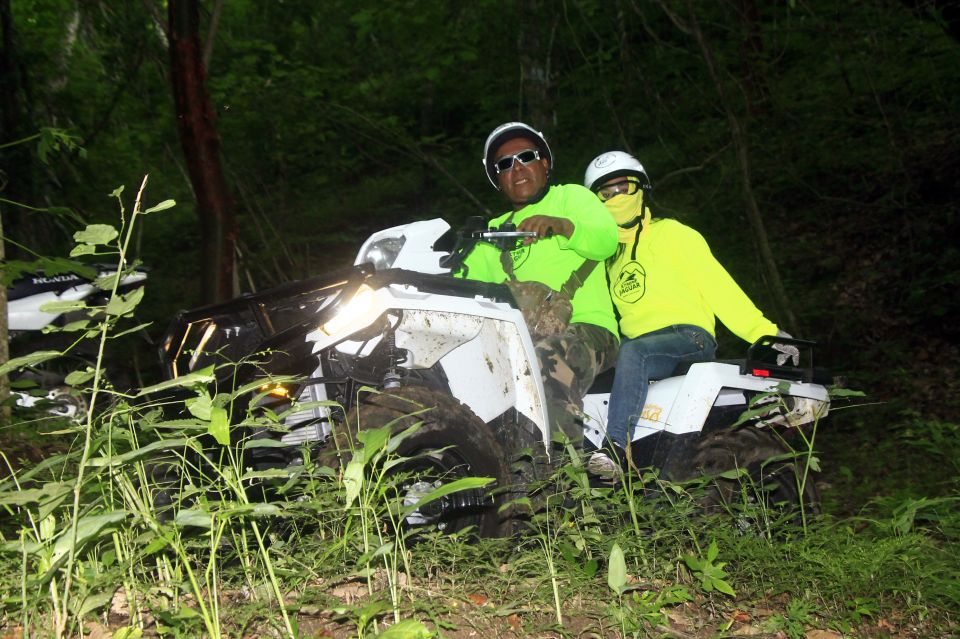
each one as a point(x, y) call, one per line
point(612, 164)
point(509, 131)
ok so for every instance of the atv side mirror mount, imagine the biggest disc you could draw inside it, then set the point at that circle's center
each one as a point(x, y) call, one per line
point(464, 243)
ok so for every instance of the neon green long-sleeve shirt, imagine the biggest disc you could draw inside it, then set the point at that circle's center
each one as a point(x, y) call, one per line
point(673, 278)
point(552, 260)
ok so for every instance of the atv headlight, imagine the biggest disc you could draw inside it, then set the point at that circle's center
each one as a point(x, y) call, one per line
point(382, 253)
point(351, 313)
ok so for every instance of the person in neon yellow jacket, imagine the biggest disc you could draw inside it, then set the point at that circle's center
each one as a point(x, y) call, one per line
point(572, 227)
point(668, 289)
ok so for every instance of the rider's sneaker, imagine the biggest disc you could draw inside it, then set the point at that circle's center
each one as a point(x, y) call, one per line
point(603, 466)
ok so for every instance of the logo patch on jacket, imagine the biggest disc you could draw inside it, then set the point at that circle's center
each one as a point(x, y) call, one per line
point(631, 283)
point(519, 255)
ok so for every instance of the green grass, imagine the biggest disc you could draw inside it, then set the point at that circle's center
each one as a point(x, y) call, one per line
point(222, 562)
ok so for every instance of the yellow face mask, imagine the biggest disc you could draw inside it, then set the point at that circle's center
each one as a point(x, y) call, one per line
point(625, 209)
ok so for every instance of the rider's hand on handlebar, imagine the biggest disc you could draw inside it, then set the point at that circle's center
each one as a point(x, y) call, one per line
point(787, 351)
point(546, 226)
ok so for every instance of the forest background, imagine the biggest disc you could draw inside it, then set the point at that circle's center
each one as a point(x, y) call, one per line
point(812, 142)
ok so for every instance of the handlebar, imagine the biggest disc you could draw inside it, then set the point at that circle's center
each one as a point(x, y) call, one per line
point(492, 235)
point(504, 237)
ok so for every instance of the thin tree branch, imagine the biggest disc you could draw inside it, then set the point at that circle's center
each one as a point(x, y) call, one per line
point(212, 33)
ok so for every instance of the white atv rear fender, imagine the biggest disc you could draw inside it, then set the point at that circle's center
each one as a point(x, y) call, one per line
point(681, 404)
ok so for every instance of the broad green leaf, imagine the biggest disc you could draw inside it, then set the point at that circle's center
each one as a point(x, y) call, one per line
point(139, 453)
point(465, 483)
point(193, 517)
point(752, 413)
point(27, 546)
point(106, 282)
point(45, 267)
point(712, 551)
point(724, 587)
point(202, 376)
point(258, 509)
point(162, 206)
point(95, 602)
point(21, 497)
point(88, 528)
point(128, 633)
point(373, 441)
point(407, 629)
point(353, 480)
point(63, 306)
point(735, 473)
point(96, 234)
point(365, 558)
point(219, 425)
point(76, 378)
point(270, 473)
point(123, 304)
point(132, 329)
point(200, 406)
point(616, 569)
point(60, 265)
point(83, 249)
point(32, 359)
point(78, 325)
point(845, 392)
point(397, 439)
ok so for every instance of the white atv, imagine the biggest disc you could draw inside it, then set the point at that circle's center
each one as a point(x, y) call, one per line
point(399, 323)
point(39, 304)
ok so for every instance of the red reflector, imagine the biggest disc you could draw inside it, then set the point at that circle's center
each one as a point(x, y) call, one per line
point(759, 372)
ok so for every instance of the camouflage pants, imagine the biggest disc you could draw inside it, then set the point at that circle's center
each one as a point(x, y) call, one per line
point(570, 362)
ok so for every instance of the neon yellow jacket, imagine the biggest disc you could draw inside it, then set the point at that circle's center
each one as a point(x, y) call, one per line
point(673, 278)
point(552, 260)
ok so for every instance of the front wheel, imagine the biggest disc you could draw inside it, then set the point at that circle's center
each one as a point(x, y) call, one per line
point(452, 443)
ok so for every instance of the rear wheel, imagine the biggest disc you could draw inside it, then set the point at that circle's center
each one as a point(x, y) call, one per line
point(766, 484)
point(451, 444)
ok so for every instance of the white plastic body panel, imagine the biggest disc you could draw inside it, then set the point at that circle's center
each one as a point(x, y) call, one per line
point(417, 253)
point(490, 363)
point(24, 314)
point(680, 405)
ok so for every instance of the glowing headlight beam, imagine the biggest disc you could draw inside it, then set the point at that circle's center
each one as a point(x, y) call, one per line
point(350, 313)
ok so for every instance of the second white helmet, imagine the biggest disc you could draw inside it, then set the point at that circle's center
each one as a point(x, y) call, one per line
point(613, 164)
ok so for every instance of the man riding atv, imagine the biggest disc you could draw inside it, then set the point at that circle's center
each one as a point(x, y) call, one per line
point(574, 234)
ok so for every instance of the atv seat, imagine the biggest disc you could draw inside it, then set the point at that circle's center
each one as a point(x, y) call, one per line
point(604, 381)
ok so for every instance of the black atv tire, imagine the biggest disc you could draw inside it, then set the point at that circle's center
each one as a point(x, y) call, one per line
point(452, 442)
point(770, 485)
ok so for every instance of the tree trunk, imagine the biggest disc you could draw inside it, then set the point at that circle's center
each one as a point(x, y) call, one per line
point(538, 26)
point(16, 163)
point(201, 147)
point(754, 75)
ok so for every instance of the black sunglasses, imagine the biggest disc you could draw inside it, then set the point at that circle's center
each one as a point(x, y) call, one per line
point(525, 157)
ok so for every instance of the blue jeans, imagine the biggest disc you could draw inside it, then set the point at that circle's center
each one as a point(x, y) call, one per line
point(653, 355)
